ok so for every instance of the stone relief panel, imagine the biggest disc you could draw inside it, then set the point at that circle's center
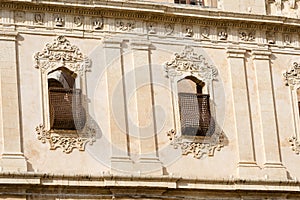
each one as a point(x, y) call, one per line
point(222, 34)
point(98, 23)
point(19, 17)
point(78, 21)
point(169, 29)
point(61, 54)
point(151, 27)
point(125, 25)
point(185, 64)
point(205, 33)
point(39, 18)
point(247, 36)
point(59, 20)
point(188, 31)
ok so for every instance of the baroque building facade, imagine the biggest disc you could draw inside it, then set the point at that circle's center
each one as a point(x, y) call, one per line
point(149, 99)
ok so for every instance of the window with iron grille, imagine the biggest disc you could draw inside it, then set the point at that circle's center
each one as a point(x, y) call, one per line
point(194, 108)
point(65, 107)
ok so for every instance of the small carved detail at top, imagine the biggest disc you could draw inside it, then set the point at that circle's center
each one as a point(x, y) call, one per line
point(98, 23)
point(197, 149)
point(125, 26)
point(78, 20)
point(59, 21)
point(295, 144)
point(20, 16)
point(169, 28)
point(278, 4)
point(189, 32)
point(270, 37)
point(151, 28)
point(39, 18)
point(222, 35)
point(287, 39)
point(292, 77)
point(205, 33)
point(190, 62)
point(62, 54)
point(247, 36)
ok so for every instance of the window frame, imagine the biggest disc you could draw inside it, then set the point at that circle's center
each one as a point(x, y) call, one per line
point(61, 54)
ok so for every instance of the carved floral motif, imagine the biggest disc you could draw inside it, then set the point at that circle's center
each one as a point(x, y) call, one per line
point(62, 54)
point(67, 142)
point(197, 149)
point(190, 62)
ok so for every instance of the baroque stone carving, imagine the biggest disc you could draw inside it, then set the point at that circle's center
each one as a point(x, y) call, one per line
point(98, 23)
point(292, 77)
point(78, 21)
point(58, 21)
point(270, 37)
point(287, 39)
point(222, 35)
point(169, 29)
point(189, 32)
point(197, 149)
point(295, 144)
point(151, 28)
point(292, 3)
point(205, 33)
point(190, 62)
point(68, 141)
point(246, 36)
point(62, 54)
point(19, 16)
point(39, 18)
point(125, 26)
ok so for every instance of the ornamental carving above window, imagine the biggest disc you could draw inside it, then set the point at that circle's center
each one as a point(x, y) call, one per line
point(66, 123)
point(196, 131)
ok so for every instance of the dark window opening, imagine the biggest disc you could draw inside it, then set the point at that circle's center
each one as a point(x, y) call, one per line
point(65, 107)
point(191, 2)
point(194, 108)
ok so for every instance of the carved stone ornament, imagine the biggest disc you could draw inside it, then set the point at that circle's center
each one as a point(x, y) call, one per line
point(78, 20)
point(68, 141)
point(62, 54)
point(169, 29)
point(39, 18)
point(58, 21)
point(189, 32)
point(292, 3)
point(151, 28)
point(295, 144)
point(287, 39)
point(245, 36)
point(190, 62)
point(292, 77)
point(98, 23)
point(205, 33)
point(197, 149)
point(222, 35)
point(125, 26)
point(270, 37)
point(20, 16)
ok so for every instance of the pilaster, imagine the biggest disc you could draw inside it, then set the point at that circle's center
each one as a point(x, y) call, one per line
point(273, 167)
point(12, 158)
point(120, 159)
point(247, 167)
point(148, 157)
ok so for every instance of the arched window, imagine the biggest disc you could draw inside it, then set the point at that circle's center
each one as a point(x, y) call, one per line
point(65, 108)
point(194, 107)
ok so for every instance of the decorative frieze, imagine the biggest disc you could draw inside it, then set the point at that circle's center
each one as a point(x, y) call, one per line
point(39, 18)
point(98, 23)
point(205, 32)
point(222, 34)
point(58, 20)
point(78, 21)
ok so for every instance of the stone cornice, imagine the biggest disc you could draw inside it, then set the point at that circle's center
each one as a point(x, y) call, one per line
point(170, 13)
